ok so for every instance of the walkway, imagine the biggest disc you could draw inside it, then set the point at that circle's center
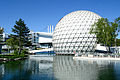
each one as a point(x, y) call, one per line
point(42, 50)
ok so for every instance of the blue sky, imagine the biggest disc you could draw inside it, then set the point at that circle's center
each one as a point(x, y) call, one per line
point(38, 14)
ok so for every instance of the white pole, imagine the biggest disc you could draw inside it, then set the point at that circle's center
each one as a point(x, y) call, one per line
point(50, 28)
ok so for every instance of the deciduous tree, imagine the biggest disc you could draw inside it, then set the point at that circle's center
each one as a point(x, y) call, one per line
point(105, 31)
point(13, 42)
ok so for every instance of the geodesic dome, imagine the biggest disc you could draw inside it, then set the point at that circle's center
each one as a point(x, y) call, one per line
point(71, 34)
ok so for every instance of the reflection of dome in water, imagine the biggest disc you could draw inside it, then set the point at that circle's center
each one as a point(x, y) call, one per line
point(67, 69)
point(72, 33)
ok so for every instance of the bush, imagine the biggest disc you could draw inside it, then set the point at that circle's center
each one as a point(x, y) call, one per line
point(24, 52)
point(16, 52)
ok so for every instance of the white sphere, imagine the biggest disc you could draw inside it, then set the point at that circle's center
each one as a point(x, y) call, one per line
point(71, 34)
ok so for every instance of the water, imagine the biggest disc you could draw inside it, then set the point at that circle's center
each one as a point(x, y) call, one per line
point(59, 68)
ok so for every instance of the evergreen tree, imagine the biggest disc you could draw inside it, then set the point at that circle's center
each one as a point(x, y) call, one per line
point(22, 32)
point(1, 38)
point(1, 32)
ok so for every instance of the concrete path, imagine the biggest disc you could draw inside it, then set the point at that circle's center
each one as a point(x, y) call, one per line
point(96, 58)
point(42, 50)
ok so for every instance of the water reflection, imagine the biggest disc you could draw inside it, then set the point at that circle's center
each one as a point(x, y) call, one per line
point(59, 68)
point(2, 70)
point(14, 71)
point(30, 69)
point(41, 69)
point(65, 68)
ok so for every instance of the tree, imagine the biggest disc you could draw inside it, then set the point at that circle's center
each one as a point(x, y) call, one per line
point(1, 32)
point(117, 42)
point(105, 32)
point(1, 37)
point(13, 42)
point(117, 21)
point(22, 32)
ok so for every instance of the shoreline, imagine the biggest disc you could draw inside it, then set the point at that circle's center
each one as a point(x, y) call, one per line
point(6, 58)
point(96, 58)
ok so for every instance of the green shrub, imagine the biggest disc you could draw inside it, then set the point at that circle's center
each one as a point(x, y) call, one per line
point(24, 52)
point(16, 52)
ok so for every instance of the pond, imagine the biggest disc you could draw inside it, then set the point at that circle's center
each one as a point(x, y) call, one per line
point(59, 67)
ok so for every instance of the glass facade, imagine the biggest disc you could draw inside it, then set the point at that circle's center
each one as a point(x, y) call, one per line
point(71, 34)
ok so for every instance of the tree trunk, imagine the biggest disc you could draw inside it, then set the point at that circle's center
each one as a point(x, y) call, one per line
point(107, 48)
point(0, 48)
point(19, 46)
